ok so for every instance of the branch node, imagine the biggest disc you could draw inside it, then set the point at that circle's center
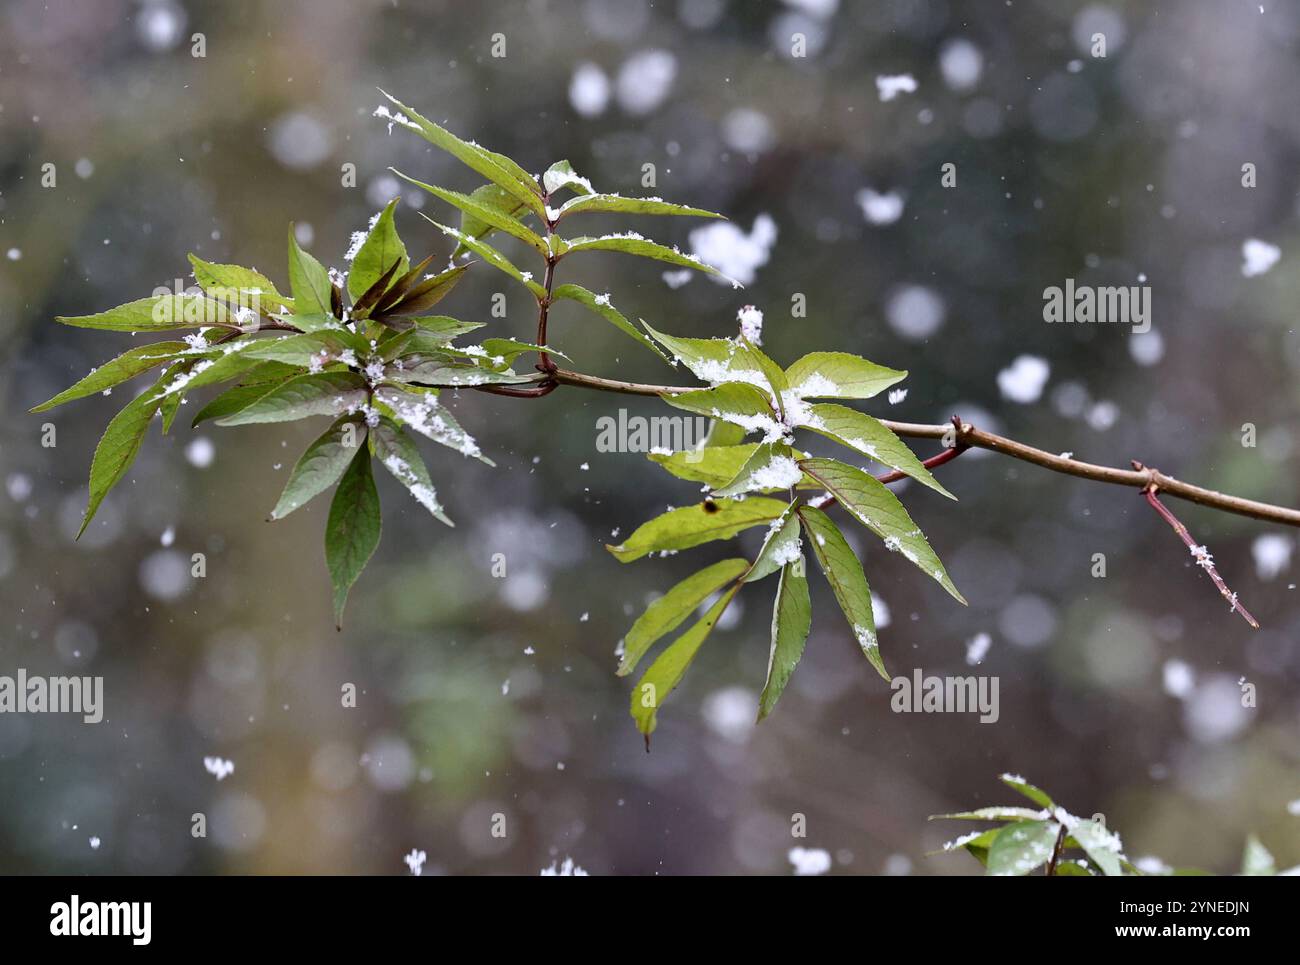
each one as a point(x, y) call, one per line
point(1151, 474)
point(963, 429)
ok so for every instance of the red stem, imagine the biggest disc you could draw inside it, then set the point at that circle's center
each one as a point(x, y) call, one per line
point(822, 502)
point(1202, 555)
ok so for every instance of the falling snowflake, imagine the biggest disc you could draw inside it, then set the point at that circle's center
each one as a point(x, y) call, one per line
point(565, 870)
point(415, 861)
point(810, 861)
point(218, 768)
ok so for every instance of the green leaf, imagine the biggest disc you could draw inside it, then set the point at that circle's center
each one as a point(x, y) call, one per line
point(396, 450)
point(423, 413)
point(1073, 868)
point(423, 296)
point(715, 360)
point(880, 511)
point(494, 196)
point(377, 254)
point(1256, 860)
point(322, 465)
point(601, 306)
point(997, 813)
point(298, 350)
point(736, 402)
point(723, 434)
point(497, 168)
point(716, 466)
point(231, 401)
point(633, 244)
point(665, 614)
point(780, 546)
point(502, 352)
point(309, 281)
point(666, 672)
point(154, 314)
point(227, 362)
point(490, 255)
point(839, 375)
point(118, 370)
point(243, 286)
point(443, 373)
point(384, 287)
point(1100, 845)
point(976, 843)
point(314, 323)
point(791, 619)
point(688, 526)
point(393, 344)
point(352, 532)
point(393, 291)
point(1020, 848)
point(848, 582)
point(486, 213)
point(617, 203)
point(861, 433)
point(117, 449)
point(1018, 783)
point(773, 374)
point(321, 393)
point(773, 466)
point(168, 408)
point(561, 175)
point(437, 330)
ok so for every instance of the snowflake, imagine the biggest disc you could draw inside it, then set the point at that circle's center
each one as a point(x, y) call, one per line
point(415, 861)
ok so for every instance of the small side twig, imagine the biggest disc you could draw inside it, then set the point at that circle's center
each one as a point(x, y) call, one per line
point(1204, 559)
point(952, 452)
point(1056, 852)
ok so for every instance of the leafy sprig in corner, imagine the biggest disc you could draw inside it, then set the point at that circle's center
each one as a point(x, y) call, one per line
point(1048, 837)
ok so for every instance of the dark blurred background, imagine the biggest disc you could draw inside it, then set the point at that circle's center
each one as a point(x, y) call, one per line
point(481, 696)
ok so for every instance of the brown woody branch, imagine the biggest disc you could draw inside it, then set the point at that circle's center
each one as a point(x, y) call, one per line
point(969, 436)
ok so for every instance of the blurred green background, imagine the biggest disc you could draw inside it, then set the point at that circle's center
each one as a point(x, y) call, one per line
point(481, 696)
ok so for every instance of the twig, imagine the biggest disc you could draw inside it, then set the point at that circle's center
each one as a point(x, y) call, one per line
point(545, 363)
point(1203, 558)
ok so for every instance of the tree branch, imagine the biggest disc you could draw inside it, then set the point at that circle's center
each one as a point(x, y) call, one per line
point(970, 436)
